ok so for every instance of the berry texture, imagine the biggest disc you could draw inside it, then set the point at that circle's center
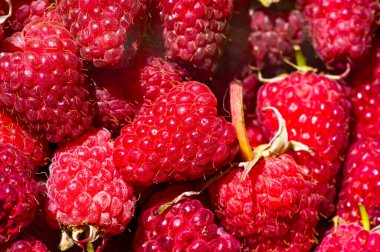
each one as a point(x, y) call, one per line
point(42, 83)
point(273, 36)
point(158, 77)
point(185, 226)
point(85, 189)
point(349, 237)
point(341, 31)
point(116, 99)
point(23, 12)
point(316, 110)
point(194, 31)
point(35, 149)
point(18, 192)
point(366, 84)
point(108, 32)
point(27, 246)
point(179, 137)
point(361, 182)
point(273, 209)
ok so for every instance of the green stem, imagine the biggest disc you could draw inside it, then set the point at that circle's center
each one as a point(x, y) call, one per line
point(365, 218)
point(90, 247)
point(300, 58)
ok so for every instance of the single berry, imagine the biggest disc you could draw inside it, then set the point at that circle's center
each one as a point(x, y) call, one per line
point(366, 84)
point(179, 137)
point(273, 209)
point(37, 150)
point(107, 32)
point(18, 192)
point(185, 226)
point(42, 84)
point(361, 182)
point(273, 35)
point(349, 237)
point(194, 31)
point(85, 191)
point(118, 97)
point(342, 31)
point(27, 246)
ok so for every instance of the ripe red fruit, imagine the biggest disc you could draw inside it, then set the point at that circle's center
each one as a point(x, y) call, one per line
point(342, 31)
point(108, 32)
point(349, 237)
point(273, 209)
point(117, 96)
point(42, 84)
point(316, 110)
point(179, 137)
point(35, 149)
point(194, 31)
point(366, 86)
point(185, 226)
point(18, 192)
point(27, 246)
point(158, 77)
point(23, 12)
point(84, 188)
point(361, 182)
point(273, 35)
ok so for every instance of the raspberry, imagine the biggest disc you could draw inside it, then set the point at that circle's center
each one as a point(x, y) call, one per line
point(185, 226)
point(349, 237)
point(316, 110)
point(117, 98)
point(158, 77)
point(273, 35)
point(107, 32)
point(27, 246)
point(179, 137)
point(194, 31)
point(274, 208)
point(18, 192)
point(341, 31)
point(42, 83)
point(366, 84)
point(361, 182)
point(85, 189)
point(35, 149)
point(23, 12)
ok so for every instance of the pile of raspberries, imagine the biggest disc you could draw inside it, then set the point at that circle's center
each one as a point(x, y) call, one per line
point(189, 125)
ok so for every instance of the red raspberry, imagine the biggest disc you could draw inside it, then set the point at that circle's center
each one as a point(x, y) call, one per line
point(85, 189)
point(27, 246)
point(179, 137)
point(158, 77)
point(37, 150)
point(316, 111)
point(273, 35)
point(349, 237)
point(254, 132)
point(42, 83)
point(361, 182)
point(23, 11)
point(342, 30)
point(194, 31)
point(185, 226)
point(274, 208)
point(117, 96)
point(105, 30)
point(366, 86)
point(18, 192)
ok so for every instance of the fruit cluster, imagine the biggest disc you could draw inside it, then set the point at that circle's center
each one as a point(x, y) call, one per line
point(189, 125)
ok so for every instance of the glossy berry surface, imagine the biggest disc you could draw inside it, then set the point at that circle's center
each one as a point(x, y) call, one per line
point(179, 137)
